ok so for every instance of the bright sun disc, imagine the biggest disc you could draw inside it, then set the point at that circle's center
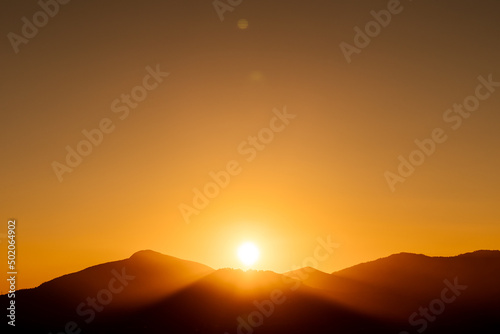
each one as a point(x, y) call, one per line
point(248, 253)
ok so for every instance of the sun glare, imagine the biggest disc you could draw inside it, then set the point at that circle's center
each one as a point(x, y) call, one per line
point(248, 253)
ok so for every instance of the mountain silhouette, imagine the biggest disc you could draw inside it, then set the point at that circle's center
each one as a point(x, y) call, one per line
point(152, 292)
point(393, 288)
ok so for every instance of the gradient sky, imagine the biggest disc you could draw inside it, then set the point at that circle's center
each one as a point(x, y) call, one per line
point(322, 175)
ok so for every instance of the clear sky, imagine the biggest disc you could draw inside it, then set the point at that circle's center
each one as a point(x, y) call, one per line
point(308, 114)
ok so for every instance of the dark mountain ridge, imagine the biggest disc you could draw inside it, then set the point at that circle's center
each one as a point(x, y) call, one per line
point(154, 292)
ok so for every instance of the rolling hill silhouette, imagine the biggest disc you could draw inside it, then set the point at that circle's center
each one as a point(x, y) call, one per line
point(152, 292)
point(393, 288)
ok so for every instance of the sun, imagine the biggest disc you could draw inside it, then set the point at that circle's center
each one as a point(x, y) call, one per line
point(248, 253)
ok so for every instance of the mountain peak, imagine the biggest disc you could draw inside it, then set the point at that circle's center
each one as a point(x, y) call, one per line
point(482, 253)
point(146, 253)
point(308, 270)
point(149, 257)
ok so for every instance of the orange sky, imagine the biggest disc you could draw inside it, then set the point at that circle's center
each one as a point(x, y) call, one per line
point(321, 174)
